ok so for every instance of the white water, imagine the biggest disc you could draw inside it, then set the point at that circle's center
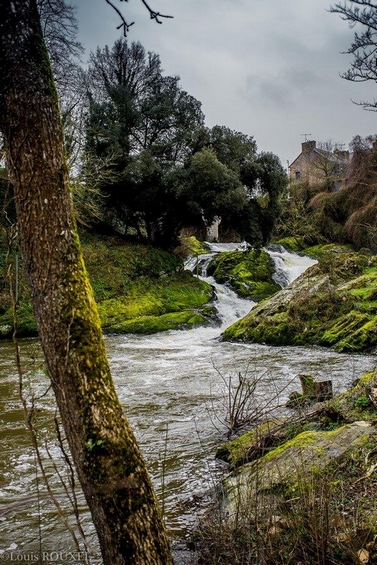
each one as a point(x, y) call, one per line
point(171, 387)
point(288, 266)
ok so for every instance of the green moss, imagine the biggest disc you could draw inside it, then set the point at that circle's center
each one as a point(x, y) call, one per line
point(191, 246)
point(129, 282)
point(318, 251)
point(356, 403)
point(302, 440)
point(248, 273)
point(333, 304)
point(295, 244)
point(154, 324)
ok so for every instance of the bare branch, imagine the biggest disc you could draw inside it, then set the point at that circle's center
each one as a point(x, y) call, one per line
point(364, 45)
point(124, 24)
point(154, 16)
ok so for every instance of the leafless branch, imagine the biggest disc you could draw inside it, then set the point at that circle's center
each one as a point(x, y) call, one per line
point(126, 26)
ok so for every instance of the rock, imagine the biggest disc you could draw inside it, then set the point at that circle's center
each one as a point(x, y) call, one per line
point(254, 444)
point(312, 391)
point(309, 452)
point(333, 304)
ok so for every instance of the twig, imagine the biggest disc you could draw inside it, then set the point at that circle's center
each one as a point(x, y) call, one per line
point(126, 26)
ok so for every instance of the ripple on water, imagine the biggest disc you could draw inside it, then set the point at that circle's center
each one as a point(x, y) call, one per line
point(172, 388)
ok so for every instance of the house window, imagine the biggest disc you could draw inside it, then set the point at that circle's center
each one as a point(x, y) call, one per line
point(336, 169)
point(297, 175)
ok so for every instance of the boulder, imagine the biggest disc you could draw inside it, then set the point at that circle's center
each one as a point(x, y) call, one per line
point(308, 453)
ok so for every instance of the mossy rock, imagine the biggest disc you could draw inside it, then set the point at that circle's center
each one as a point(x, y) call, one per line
point(248, 273)
point(294, 244)
point(154, 324)
point(360, 401)
point(191, 246)
point(254, 444)
point(333, 304)
point(307, 453)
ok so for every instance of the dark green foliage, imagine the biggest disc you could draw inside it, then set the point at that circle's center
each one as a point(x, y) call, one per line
point(142, 123)
point(209, 188)
point(167, 170)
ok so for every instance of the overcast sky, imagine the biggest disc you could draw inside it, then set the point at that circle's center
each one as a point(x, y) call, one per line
point(268, 68)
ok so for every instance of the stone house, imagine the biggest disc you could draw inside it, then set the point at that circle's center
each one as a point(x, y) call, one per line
point(318, 166)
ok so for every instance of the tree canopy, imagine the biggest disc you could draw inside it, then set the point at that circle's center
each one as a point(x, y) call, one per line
point(169, 169)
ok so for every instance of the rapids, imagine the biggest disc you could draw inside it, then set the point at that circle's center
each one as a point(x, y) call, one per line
point(173, 391)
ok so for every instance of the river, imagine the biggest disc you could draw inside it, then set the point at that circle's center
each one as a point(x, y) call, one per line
point(173, 388)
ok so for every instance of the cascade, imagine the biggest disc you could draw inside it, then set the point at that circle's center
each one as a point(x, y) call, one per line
point(230, 307)
point(288, 266)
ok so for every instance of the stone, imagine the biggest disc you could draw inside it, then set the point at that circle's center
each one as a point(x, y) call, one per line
point(308, 452)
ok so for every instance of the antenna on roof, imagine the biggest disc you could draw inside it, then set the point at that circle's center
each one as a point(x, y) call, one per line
point(306, 135)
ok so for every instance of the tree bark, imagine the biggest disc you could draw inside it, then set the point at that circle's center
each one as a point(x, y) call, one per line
point(109, 464)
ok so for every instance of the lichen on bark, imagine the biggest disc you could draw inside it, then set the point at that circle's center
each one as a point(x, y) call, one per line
point(112, 473)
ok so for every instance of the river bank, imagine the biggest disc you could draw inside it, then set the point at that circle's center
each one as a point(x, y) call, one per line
point(138, 289)
point(173, 386)
point(141, 289)
point(333, 304)
point(301, 488)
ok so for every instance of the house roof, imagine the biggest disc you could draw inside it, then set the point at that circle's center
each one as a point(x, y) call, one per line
point(336, 156)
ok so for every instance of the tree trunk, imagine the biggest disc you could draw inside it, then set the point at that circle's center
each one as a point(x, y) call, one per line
point(110, 467)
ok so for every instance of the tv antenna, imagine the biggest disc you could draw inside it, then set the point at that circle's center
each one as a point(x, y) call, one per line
point(306, 135)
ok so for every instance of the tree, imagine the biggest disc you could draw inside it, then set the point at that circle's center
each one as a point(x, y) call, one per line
point(145, 123)
point(270, 184)
point(363, 48)
point(210, 188)
point(110, 467)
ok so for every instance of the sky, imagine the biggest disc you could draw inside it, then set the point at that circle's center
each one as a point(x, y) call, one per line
point(268, 68)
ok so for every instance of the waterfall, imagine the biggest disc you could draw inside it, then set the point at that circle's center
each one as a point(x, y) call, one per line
point(288, 266)
point(230, 307)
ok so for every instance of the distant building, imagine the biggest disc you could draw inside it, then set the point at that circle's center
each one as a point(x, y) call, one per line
point(319, 166)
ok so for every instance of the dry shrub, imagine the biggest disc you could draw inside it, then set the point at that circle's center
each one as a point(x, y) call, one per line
point(317, 521)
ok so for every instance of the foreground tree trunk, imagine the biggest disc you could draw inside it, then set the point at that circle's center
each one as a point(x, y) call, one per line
point(110, 467)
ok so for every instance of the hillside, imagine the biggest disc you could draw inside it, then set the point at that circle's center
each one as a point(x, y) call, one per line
point(139, 289)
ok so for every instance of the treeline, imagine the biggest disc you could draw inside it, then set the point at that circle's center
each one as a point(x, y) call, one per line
point(143, 163)
point(154, 164)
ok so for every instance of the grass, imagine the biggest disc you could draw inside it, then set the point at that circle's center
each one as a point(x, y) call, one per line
point(132, 283)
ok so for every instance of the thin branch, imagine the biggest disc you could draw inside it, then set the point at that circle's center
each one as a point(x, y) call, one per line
point(126, 26)
point(154, 15)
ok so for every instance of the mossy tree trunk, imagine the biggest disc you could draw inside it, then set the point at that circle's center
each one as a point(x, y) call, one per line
point(110, 467)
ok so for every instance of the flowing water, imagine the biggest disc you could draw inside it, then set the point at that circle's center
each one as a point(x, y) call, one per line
point(173, 388)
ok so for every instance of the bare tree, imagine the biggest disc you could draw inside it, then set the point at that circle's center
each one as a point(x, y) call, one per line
point(364, 46)
point(109, 464)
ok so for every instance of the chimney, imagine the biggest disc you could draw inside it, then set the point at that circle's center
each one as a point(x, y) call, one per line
point(308, 146)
